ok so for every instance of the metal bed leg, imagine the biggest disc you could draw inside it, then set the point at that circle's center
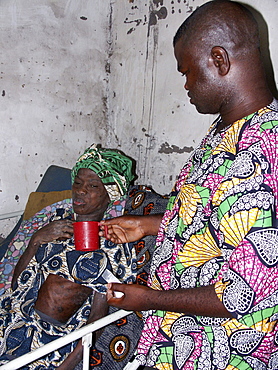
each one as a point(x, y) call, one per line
point(86, 343)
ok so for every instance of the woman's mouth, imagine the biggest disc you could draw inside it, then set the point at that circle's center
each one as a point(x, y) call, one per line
point(78, 202)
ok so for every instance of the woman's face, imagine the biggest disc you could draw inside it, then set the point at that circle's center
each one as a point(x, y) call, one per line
point(89, 195)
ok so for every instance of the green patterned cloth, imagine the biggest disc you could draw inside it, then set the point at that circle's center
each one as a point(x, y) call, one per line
point(111, 166)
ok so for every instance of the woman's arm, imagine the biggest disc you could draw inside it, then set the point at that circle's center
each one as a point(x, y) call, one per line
point(53, 231)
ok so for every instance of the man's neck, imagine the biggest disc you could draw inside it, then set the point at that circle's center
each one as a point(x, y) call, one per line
point(243, 108)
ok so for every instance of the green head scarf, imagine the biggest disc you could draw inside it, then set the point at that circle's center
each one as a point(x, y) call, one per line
point(112, 167)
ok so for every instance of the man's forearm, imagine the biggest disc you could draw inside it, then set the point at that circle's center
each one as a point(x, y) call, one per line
point(151, 224)
point(196, 301)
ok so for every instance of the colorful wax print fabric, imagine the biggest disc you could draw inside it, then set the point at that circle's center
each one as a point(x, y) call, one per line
point(116, 345)
point(55, 211)
point(21, 240)
point(111, 166)
point(220, 228)
point(22, 329)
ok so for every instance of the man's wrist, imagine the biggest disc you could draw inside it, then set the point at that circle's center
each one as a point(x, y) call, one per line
point(151, 224)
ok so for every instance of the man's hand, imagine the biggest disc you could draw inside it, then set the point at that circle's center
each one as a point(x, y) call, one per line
point(130, 228)
point(135, 297)
point(193, 301)
point(123, 229)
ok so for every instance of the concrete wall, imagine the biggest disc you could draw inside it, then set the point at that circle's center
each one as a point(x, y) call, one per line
point(53, 89)
point(74, 72)
point(149, 110)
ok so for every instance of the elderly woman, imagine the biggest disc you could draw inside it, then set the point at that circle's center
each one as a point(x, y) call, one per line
point(54, 285)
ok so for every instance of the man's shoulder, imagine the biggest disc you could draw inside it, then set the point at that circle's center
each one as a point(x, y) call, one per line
point(266, 118)
point(260, 126)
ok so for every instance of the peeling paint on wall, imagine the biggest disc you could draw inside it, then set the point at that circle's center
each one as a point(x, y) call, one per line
point(156, 15)
point(138, 57)
point(156, 10)
point(169, 149)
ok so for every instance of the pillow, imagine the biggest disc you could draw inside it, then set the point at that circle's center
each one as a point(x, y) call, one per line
point(38, 200)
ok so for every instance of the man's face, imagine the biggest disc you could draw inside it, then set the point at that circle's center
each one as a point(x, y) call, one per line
point(201, 79)
point(89, 195)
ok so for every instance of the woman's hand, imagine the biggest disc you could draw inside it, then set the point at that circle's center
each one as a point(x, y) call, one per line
point(129, 228)
point(61, 229)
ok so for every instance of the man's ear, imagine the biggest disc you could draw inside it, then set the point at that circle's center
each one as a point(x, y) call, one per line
point(220, 59)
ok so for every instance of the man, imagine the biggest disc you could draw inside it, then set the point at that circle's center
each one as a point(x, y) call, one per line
point(212, 300)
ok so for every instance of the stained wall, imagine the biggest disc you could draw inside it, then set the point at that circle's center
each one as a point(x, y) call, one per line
point(149, 110)
point(53, 89)
point(74, 72)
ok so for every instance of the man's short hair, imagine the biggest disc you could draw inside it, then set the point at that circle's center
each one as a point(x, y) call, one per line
point(223, 23)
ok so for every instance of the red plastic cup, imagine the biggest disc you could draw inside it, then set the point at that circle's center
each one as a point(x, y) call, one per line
point(86, 236)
